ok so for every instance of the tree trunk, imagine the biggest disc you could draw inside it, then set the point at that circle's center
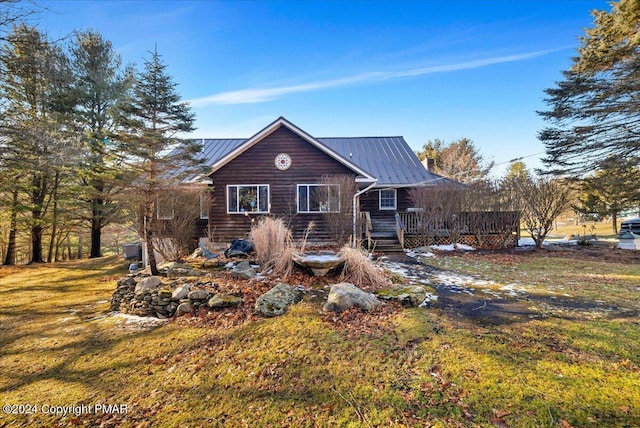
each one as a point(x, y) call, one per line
point(36, 242)
point(97, 220)
point(54, 220)
point(96, 237)
point(151, 251)
point(614, 221)
point(38, 193)
point(10, 258)
point(79, 256)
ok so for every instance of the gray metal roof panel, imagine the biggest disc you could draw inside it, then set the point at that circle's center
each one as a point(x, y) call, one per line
point(389, 159)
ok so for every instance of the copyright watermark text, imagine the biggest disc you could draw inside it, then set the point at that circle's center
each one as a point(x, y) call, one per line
point(64, 410)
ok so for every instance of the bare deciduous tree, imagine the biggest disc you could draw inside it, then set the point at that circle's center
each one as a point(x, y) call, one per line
point(542, 200)
point(339, 190)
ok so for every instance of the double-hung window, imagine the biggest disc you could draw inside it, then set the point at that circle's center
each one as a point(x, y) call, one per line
point(388, 199)
point(318, 198)
point(248, 198)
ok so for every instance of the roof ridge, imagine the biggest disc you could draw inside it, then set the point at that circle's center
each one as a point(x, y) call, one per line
point(368, 136)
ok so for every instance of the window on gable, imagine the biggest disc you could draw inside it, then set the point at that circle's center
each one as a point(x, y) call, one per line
point(388, 199)
point(318, 198)
point(248, 198)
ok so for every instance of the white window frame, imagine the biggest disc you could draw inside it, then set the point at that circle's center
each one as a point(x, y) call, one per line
point(307, 185)
point(257, 186)
point(204, 206)
point(395, 200)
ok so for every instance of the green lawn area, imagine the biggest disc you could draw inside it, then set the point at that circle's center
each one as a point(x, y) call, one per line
point(392, 367)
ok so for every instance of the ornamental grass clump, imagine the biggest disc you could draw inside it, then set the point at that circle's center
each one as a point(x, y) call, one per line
point(274, 246)
point(360, 270)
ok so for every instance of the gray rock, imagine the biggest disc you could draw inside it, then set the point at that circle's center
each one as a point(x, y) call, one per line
point(180, 292)
point(345, 295)
point(224, 301)
point(147, 284)
point(164, 294)
point(129, 280)
point(198, 295)
point(276, 301)
point(407, 295)
point(243, 270)
point(181, 271)
point(183, 308)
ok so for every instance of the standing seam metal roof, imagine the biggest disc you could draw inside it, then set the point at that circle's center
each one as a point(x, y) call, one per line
point(389, 159)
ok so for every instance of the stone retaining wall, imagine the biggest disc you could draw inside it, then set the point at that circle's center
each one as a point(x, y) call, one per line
point(149, 296)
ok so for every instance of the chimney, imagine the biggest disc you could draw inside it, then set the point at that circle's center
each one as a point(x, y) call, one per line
point(428, 163)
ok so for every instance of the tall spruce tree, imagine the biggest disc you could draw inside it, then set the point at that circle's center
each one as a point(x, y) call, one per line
point(34, 130)
point(100, 84)
point(593, 111)
point(610, 190)
point(156, 159)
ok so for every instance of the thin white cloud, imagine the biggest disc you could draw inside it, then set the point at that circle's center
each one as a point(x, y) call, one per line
point(260, 95)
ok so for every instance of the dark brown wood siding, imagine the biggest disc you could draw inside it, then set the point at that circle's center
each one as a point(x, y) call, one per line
point(370, 202)
point(256, 166)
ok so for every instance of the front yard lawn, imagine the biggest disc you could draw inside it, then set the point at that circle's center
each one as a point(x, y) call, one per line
point(576, 365)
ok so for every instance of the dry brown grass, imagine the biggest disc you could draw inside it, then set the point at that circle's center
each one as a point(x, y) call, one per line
point(274, 246)
point(360, 270)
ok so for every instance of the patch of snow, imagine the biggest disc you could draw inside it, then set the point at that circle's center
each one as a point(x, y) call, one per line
point(513, 290)
point(229, 265)
point(141, 322)
point(452, 247)
point(429, 297)
point(415, 253)
point(100, 302)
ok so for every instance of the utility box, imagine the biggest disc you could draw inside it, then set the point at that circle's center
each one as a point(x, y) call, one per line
point(132, 251)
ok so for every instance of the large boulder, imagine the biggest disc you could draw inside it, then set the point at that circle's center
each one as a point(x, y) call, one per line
point(147, 284)
point(277, 300)
point(346, 295)
point(407, 295)
point(243, 270)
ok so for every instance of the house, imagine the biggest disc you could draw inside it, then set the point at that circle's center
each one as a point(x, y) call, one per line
point(279, 171)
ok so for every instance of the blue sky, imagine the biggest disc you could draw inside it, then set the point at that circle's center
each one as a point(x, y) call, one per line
point(420, 69)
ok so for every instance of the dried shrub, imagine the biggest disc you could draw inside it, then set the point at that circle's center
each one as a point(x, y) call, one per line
point(360, 270)
point(273, 245)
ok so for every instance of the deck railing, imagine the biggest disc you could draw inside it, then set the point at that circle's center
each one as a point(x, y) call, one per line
point(468, 222)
